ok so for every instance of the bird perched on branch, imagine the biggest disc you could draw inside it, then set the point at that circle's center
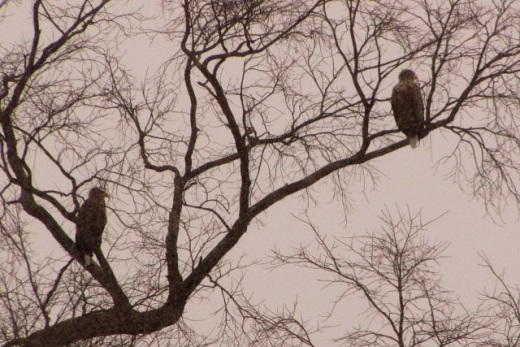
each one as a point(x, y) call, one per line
point(408, 107)
point(92, 218)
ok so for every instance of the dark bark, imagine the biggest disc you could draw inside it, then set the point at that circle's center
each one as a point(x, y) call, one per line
point(104, 323)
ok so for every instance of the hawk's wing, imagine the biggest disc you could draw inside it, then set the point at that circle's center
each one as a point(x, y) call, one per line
point(400, 105)
point(407, 105)
point(417, 101)
point(90, 224)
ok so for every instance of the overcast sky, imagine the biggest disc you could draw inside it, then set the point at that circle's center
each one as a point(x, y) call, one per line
point(409, 178)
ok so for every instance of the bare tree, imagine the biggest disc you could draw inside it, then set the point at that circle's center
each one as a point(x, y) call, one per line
point(393, 270)
point(504, 302)
point(255, 101)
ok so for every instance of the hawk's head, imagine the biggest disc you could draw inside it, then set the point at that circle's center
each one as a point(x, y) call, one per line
point(97, 194)
point(407, 75)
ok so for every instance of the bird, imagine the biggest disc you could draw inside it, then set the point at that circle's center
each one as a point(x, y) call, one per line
point(91, 221)
point(408, 107)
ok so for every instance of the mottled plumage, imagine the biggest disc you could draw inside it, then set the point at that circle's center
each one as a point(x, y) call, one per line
point(408, 107)
point(92, 218)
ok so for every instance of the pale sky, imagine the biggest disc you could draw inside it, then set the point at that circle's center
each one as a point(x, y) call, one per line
point(408, 178)
point(411, 180)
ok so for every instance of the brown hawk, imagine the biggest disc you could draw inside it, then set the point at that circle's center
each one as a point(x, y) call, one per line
point(408, 107)
point(92, 218)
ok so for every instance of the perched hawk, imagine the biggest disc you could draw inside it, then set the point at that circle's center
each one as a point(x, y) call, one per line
point(407, 105)
point(92, 218)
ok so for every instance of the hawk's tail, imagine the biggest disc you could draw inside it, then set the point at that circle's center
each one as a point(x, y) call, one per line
point(414, 140)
